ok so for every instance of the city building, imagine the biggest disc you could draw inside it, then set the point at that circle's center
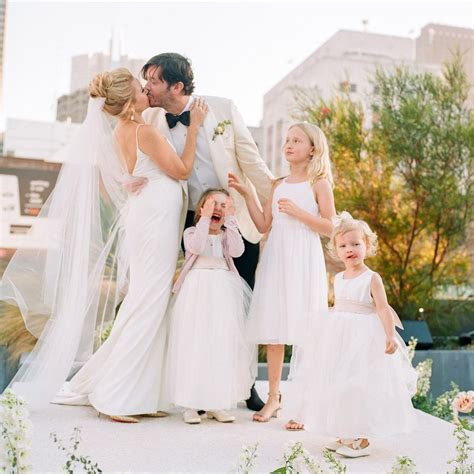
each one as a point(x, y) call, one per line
point(348, 59)
point(72, 107)
point(25, 185)
point(36, 140)
point(3, 15)
point(437, 44)
point(256, 133)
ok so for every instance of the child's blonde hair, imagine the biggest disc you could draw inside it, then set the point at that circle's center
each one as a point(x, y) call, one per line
point(320, 165)
point(344, 223)
point(203, 198)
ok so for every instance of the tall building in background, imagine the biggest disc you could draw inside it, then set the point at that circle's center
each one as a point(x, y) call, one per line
point(72, 107)
point(3, 15)
point(437, 44)
point(347, 60)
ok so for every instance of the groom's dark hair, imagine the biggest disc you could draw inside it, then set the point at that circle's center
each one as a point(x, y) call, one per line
point(174, 68)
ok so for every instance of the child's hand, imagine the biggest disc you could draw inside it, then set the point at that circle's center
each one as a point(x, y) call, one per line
point(390, 345)
point(235, 183)
point(229, 207)
point(287, 206)
point(208, 208)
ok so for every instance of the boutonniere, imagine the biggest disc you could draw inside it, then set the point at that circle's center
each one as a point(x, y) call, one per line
point(220, 129)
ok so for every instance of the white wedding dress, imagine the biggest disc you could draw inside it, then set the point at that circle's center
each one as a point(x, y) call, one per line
point(125, 375)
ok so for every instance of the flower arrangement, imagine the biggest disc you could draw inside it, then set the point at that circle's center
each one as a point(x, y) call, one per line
point(74, 460)
point(15, 429)
point(461, 463)
point(297, 459)
point(247, 459)
point(403, 465)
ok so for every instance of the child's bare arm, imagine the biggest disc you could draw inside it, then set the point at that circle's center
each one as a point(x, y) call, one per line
point(384, 311)
point(261, 219)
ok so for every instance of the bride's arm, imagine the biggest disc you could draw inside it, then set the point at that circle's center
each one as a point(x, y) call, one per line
point(155, 145)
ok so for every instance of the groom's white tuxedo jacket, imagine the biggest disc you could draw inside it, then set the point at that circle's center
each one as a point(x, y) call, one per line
point(232, 152)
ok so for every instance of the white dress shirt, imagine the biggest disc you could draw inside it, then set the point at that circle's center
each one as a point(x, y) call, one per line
point(204, 174)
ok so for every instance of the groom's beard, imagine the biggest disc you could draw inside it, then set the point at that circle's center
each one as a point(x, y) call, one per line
point(152, 102)
point(164, 100)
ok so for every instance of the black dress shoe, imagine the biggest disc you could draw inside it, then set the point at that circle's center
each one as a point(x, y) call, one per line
point(254, 402)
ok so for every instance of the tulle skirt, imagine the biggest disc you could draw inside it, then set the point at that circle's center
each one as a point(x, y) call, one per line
point(291, 285)
point(344, 385)
point(210, 364)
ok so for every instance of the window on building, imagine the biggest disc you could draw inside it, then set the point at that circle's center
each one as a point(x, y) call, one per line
point(346, 86)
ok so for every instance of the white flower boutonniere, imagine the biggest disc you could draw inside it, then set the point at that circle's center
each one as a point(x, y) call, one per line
point(220, 129)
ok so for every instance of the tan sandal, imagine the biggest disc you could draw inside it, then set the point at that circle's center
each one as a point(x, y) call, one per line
point(261, 418)
point(124, 419)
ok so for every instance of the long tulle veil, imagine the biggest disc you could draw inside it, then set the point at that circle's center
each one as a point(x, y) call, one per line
point(69, 291)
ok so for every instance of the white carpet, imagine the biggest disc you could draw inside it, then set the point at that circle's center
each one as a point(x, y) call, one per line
point(168, 444)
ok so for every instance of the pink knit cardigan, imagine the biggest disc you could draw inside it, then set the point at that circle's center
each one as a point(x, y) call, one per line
point(195, 239)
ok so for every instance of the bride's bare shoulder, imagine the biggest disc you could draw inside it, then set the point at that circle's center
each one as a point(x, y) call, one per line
point(149, 135)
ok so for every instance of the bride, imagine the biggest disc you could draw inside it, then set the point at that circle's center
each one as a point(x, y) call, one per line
point(104, 243)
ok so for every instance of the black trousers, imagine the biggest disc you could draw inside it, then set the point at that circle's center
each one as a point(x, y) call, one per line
point(246, 264)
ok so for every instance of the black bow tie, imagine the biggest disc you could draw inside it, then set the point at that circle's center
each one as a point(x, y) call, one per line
point(172, 120)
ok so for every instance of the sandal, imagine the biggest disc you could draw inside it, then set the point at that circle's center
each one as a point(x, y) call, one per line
point(261, 417)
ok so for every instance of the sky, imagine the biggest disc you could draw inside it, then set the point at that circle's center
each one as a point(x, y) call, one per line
point(239, 50)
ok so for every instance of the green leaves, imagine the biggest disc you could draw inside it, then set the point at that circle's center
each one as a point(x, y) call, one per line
point(405, 165)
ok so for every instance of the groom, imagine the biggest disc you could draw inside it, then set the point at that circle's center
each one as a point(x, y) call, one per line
point(224, 145)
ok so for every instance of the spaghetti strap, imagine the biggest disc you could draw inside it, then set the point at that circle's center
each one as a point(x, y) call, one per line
point(136, 135)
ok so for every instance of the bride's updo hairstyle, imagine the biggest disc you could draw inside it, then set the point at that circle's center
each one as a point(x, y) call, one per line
point(117, 90)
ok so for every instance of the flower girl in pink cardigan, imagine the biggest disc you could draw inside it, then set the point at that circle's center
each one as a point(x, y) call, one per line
point(211, 367)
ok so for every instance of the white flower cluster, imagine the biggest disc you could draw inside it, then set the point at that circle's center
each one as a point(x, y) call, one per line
point(298, 459)
point(247, 459)
point(15, 429)
point(424, 377)
point(462, 462)
point(423, 369)
point(411, 347)
point(403, 465)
